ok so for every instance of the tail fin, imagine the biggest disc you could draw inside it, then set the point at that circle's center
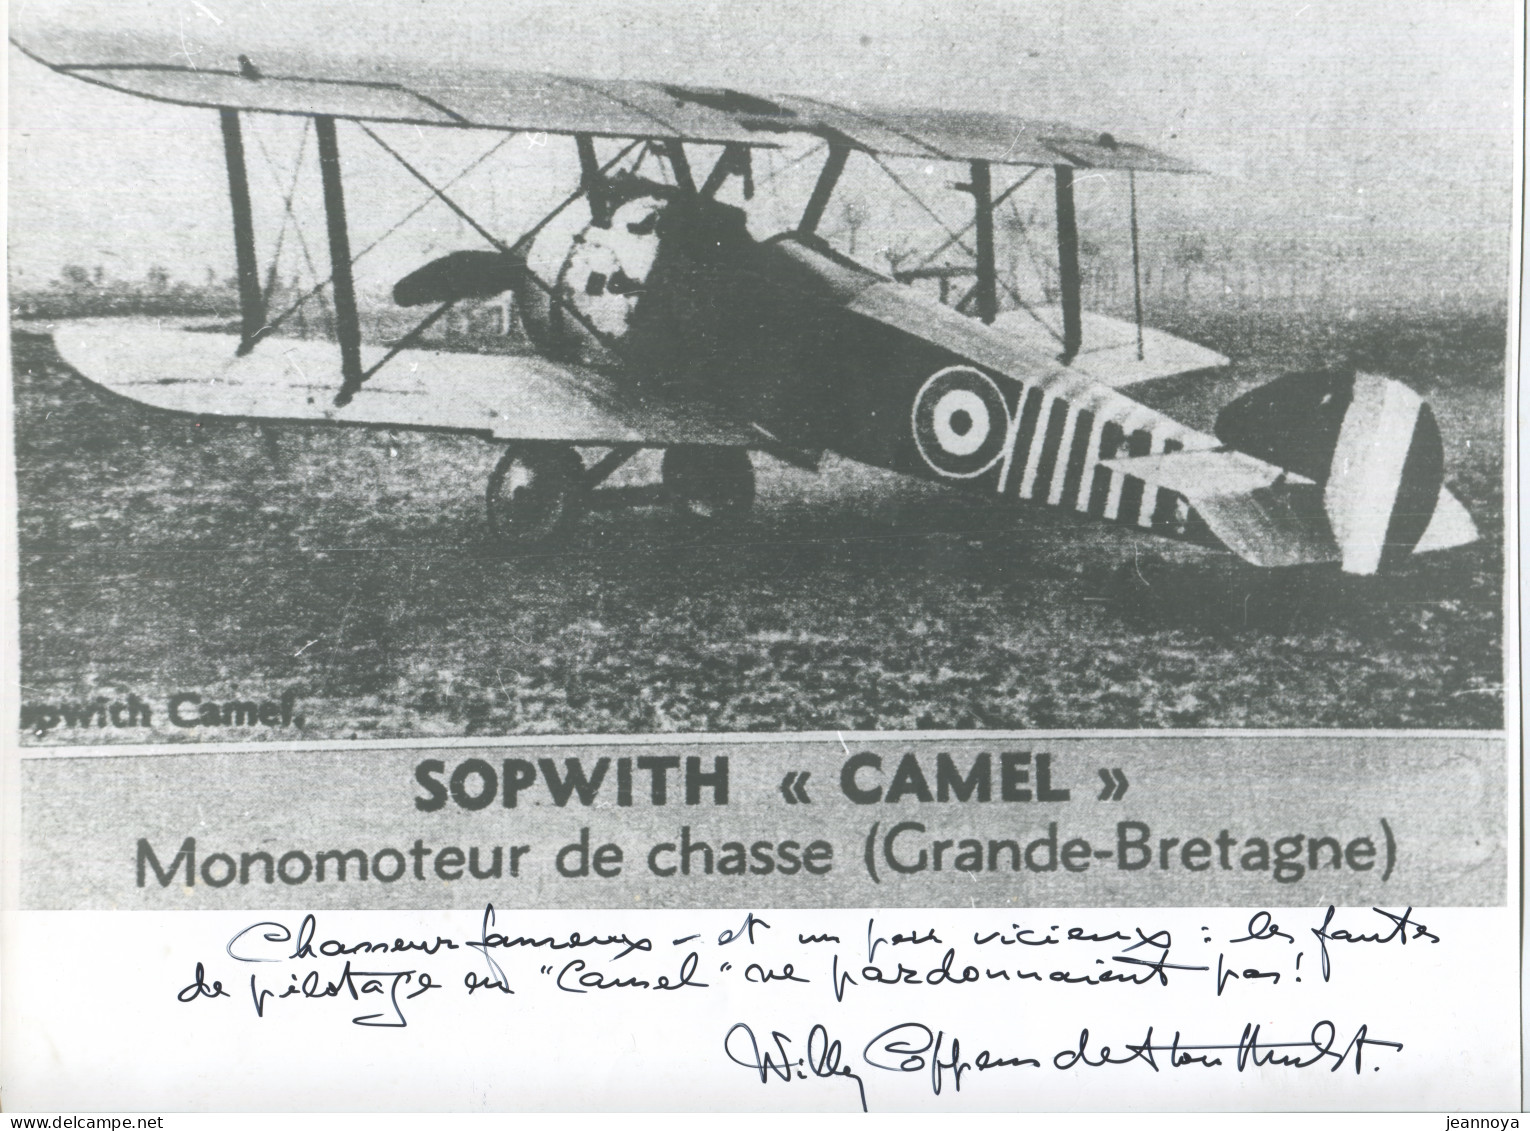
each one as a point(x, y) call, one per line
point(1326, 467)
point(1385, 476)
point(1373, 446)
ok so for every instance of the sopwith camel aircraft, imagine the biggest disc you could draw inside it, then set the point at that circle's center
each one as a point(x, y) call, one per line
point(668, 325)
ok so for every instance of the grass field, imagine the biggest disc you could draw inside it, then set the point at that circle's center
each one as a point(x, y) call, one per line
point(158, 556)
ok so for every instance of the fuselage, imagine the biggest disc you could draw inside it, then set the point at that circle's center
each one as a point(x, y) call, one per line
point(824, 353)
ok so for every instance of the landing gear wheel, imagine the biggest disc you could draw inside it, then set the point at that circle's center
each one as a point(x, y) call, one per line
point(534, 491)
point(709, 485)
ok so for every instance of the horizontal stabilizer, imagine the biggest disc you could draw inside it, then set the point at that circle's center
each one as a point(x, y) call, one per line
point(1450, 526)
point(1264, 515)
point(1271, 517)
point(1109, 353)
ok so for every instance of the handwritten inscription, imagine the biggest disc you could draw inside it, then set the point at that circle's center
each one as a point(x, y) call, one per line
point(275, 965)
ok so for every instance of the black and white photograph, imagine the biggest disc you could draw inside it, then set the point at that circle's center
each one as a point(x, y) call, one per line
point(550, 369)
point(672, 556)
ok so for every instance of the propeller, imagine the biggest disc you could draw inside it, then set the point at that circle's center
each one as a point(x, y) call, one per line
point(460, 275)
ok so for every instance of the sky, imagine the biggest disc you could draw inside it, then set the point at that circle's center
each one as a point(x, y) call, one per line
point(1362, 134)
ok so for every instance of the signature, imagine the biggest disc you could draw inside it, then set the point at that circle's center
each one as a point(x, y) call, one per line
point(822, 1058)
point(913, 1047)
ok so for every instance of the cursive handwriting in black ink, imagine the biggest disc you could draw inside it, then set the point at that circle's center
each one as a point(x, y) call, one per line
point(1321, 1041)
point(1321, 1048)
point(245, 949)
point(1018, 939)
point(1227, 975)
point(1163, 940)
point(585, 979)
point(1398, 932)
point(474, 983)
point(903, 1048)
point(745, 930)
point(280, 934)
point(200, 989)
point(1069, 1058)
point(1261, 927)
point(494, 940)
point(913, 937)
point(359, 984)
point(840, 980)
point(824, 1058)
point(496, 974)
point(1153, 968)
point(334, 948)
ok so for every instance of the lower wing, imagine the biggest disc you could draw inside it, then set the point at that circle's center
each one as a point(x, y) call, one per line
point(1116, 352)
point(496, 396)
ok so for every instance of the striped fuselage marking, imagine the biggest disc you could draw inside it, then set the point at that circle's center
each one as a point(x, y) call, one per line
point(1062, 423)
point(1058, 439)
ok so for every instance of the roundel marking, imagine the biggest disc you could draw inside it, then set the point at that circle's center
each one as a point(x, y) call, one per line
point(960, 422)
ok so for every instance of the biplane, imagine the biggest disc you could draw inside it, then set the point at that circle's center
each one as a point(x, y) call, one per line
point(667, 325)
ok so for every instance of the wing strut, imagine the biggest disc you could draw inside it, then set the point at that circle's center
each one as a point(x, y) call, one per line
point(1067, 263)
point(1131, 177)
point(252, 312)
point(839, 153)
point(734, 159)
point(592, 181)
point(342, 284)
point(987, 290)
point(524, 240)
point(674, 152)
point(955, 238)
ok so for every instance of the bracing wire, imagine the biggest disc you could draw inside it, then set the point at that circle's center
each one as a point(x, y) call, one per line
point(998, 200)
point(505, 249)
point(297, 228)
point(318, 288)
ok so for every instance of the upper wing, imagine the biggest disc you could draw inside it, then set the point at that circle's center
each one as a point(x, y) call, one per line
point(289, 380)
point(968, 135)
point(380, 91)
point(383, 90)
